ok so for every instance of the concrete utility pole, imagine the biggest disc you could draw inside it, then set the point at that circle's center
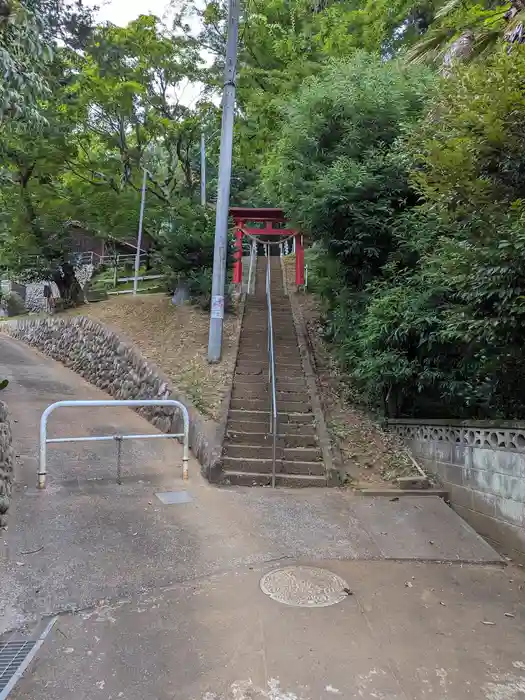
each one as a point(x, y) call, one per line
point(223, 190)
point(139, 237)
point(203, 170)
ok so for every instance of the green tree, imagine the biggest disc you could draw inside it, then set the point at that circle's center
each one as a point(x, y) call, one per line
point(23, 50)
point(332, 167)
point(464, 30)
point(113, 109)
point(441, 331)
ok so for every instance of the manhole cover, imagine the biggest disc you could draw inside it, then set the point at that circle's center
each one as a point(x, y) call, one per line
point(304, 587)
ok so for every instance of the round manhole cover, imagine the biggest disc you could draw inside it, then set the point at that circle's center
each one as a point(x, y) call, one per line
point(304, 587)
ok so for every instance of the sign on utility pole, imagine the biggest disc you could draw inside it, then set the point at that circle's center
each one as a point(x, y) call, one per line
point(223, 190)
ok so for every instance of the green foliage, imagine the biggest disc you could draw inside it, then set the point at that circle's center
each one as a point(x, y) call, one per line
point(438, 330)
point(466, 30)
point(413, 196)
point(110, 111)
point(13, 304)
point(187, 244)
point(186, 252)
point(23, 50)
point(333, 167)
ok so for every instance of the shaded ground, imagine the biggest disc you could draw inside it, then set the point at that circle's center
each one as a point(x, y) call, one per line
point(220, 638)
point(371, 456)
point(175, 339)
point(164, 602)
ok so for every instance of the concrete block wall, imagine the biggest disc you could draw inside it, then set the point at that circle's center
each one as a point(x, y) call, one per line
point(482, 464)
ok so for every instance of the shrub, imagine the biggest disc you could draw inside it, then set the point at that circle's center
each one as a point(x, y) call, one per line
point(13, 304)
point(421, 230)
point(186, 252)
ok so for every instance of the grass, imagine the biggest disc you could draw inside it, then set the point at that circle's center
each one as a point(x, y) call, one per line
point(175, 338)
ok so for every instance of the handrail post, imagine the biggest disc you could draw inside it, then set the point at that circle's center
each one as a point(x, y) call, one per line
point(253, 251)
point(271, 366)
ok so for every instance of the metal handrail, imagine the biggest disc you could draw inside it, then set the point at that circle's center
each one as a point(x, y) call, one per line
point(129, 403)
point(253, 259)
point(271, 365)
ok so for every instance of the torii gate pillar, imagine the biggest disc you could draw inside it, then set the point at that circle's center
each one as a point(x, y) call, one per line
point(237, 266)
point(299, 260)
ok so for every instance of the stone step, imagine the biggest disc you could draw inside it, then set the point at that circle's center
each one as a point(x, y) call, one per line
point(288, 435)
point(260, 382)
point(289, 385)
point(252, 378)
point(260, 344)
point(241, 392)
point(265, 451)
point(263, 394)
point(259, 415)
point(264, 466)
point(249, 334)
point(260, 355)
point(256, 368)
point(245, 366)
point(233, 478)
point(262, 404)
point(259, 371)
point(398, 493)
point(259, 314)
point(417, 481)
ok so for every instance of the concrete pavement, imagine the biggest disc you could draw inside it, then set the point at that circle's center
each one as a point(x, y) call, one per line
point(163, 601)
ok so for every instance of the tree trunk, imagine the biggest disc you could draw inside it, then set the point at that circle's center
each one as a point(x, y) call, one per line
point(68, 286)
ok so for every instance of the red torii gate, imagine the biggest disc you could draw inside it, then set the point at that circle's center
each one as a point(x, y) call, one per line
point(244, 216)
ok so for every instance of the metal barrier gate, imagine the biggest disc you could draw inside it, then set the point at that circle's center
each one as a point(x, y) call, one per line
point(44, 440)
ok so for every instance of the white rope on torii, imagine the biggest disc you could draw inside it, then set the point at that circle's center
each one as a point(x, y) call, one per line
point(258, 240)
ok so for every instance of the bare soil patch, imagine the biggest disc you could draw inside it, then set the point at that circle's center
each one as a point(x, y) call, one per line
point(175, 338)
point(371, 456)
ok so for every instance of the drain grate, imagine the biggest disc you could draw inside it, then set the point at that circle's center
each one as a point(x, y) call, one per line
point(12, 656)
point(15, 657)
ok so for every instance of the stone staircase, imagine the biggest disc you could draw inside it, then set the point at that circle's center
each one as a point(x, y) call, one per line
point(247, 453)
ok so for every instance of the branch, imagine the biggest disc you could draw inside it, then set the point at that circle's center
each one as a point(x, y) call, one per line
point(107, 181)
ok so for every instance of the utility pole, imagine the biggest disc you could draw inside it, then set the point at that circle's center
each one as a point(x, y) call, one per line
point(139, 237)
point(203, 170)
point(223, 190)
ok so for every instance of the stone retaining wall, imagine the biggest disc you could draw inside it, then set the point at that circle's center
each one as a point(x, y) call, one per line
point(6, 463)
point(482, 465)
point(103, 359)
